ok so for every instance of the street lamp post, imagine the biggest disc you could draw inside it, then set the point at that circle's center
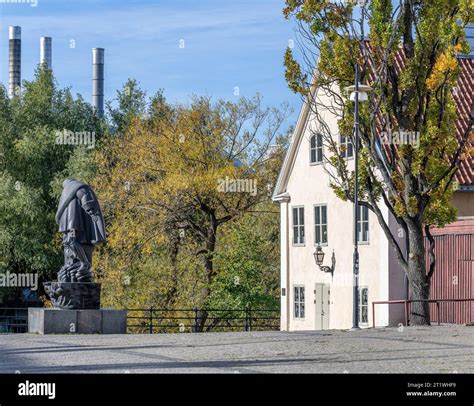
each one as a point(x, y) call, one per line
point(355, 259)
point(358, 93)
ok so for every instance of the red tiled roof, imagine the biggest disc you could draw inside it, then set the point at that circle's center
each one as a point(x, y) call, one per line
point(463, 95)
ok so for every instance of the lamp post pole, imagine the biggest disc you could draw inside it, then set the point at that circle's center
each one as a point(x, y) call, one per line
point(355, 260)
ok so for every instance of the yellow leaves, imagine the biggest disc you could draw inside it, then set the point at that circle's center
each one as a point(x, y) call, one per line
point(440, 210)
point(399, 208)
point(412, 206)
point(470, 148)
point(446, 64)
point(297, 81)
point(458, 48)
point(467, 154)
point(398, 182)
point(335, 51)
point(160, 187)
point(164, 164)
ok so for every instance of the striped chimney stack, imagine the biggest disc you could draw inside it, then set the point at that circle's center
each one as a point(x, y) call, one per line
point(14, 84)
point(98, 55)
point(46, 52)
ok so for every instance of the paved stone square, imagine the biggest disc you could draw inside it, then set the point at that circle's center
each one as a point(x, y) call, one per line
point(445, 349)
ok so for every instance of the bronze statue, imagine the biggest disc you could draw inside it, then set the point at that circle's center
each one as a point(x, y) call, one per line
point(81, 222)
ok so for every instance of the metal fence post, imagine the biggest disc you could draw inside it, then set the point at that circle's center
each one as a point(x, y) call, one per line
point(196, 319)
point(151, 319)
point(248, 320)
point(373, 314)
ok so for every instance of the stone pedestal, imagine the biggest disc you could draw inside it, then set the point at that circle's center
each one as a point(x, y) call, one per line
point(74, 295)
point(59, 321)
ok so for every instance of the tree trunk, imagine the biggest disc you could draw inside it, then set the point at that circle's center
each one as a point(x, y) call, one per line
point(418, 278)
point(170, 298)
point(201, 320)
point(209, 274)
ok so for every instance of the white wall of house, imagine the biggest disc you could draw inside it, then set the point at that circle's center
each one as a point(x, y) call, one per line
point(307, 185)
point(302, 184)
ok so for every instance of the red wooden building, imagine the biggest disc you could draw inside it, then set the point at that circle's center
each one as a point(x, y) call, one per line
point(454, 251)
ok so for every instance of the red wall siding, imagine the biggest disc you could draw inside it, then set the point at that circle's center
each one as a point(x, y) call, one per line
point(453, 278)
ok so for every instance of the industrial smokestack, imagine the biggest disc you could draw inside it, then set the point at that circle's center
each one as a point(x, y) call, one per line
point(46, 52)
point(14, 88)
point(98, 80)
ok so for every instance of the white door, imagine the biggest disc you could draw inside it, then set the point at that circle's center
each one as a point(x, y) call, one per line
point(321, 302)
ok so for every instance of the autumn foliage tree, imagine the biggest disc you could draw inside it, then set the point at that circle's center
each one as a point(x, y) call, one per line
point(408, 52)
point(177, 175)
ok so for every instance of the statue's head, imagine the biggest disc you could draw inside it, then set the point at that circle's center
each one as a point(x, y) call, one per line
point(69, 180)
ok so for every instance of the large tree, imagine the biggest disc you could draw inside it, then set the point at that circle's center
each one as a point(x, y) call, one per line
point(408, 52)
point(178, 174)
point(247, 262)
point(32, 168)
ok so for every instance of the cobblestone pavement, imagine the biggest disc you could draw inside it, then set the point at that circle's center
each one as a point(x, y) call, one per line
point(445, 349)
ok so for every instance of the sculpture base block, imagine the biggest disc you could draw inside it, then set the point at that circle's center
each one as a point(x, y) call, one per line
point(73, 295)
point(58, 321)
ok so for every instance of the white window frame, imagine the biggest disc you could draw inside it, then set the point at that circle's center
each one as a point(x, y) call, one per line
point(300, 226)
point(320, 225)
point(361, 305)
point(299, 306)
point(345, 140)
point(361, 223)
point(318, 148)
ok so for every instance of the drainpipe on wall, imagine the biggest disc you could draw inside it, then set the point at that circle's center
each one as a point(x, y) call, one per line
point(407, 283)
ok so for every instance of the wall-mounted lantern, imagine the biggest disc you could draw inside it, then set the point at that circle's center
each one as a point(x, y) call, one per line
point(319, 258)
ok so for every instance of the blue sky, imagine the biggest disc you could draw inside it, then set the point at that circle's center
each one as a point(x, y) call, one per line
point(227, 44)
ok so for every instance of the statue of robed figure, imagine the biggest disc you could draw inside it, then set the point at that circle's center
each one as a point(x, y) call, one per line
point(82, 224)
point(80, 220)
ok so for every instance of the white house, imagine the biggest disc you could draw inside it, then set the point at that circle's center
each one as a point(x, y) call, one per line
point(312, 215)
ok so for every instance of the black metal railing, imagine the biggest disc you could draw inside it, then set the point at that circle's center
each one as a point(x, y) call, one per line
point(13, 320)
point(155, 320)
point(466, 313)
